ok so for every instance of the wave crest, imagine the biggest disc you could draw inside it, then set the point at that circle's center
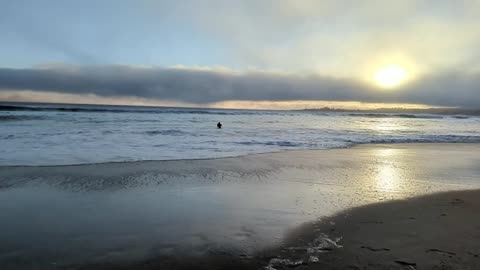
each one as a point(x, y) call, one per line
point(119, 109)
point(402, 115)
point(19, 117)
point(172, 132)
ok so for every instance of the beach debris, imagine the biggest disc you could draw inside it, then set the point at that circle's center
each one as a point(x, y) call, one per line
point(375, 249)
point(321, 244)
point(440, 251)
point(276, 262)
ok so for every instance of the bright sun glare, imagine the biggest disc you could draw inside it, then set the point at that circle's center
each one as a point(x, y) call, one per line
point(390, 76)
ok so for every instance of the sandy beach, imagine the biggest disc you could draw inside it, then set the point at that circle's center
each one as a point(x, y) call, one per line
point(438, 231)
point(421, 233)
point(390, 206)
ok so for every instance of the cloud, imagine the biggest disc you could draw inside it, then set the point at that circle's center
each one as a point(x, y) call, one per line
point(344, 37)
point(209, 85)
point(330, 37)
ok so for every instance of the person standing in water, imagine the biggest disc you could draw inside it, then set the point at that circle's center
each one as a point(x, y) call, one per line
point(219, 125)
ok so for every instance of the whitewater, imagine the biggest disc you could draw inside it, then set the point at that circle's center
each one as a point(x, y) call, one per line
point(47, 134)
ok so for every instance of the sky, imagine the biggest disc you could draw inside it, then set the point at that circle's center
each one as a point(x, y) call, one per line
point(249, 54)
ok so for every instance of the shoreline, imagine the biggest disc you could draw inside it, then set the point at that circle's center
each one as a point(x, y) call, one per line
point(436, 231)
point(180, 213)
point(399, 234)
point(352, 146)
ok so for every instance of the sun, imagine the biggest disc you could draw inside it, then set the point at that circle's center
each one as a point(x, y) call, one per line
point(390, 76)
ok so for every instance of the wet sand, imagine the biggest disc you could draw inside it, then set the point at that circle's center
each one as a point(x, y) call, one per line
point(280, 210)
point(439, 231)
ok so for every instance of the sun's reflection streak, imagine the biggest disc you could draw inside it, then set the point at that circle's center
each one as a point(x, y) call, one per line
point(388, 175)
point(388, 125)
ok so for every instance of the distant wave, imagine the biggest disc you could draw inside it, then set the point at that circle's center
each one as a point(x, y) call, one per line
point(172, 132)
point(206, 111)
point(4, 118)
point(28, 108)
point(461, 116)
point(395, 115)
point(7, 137)
point(272, 143)
point(112, 109)
point(348, 143)
point(427, 139)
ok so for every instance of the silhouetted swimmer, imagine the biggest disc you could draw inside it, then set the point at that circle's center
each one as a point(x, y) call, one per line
point(219, 125)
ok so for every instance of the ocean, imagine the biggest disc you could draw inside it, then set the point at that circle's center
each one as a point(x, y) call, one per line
point(108, 210)
point(59, 134)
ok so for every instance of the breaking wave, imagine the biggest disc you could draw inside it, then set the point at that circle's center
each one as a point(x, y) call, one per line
point(172, 132)
point(123, 109)
point(19, 117)
point(271, 143)
point(394, 115)
point(424, 139)
point(352, 142)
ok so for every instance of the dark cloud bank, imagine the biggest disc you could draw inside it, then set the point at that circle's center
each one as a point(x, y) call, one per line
point(207, 86)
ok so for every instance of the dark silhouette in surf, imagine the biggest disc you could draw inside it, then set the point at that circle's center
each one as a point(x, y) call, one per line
point(219, 125)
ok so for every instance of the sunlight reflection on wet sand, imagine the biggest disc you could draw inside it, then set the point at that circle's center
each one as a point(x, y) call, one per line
point(238, 205)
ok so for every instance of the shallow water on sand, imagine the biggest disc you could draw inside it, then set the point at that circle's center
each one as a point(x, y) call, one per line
point(126, 211)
